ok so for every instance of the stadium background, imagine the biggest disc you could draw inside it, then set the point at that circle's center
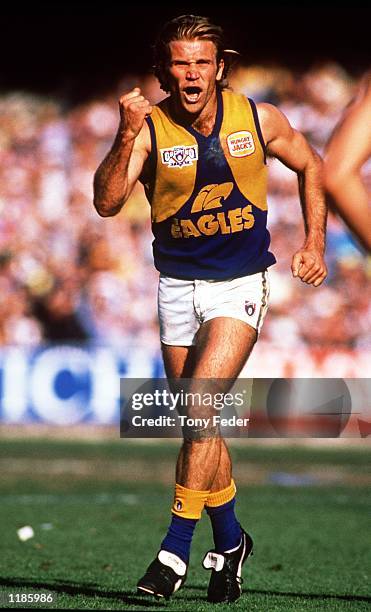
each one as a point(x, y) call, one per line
point(78, 308)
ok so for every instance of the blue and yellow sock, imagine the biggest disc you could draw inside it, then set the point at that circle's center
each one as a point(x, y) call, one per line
point(187, 510)
point(225, 526)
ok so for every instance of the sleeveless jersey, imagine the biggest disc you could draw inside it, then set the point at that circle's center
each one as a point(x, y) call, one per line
point(208, 194)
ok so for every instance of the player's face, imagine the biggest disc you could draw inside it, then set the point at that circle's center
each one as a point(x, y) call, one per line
point(193, 73)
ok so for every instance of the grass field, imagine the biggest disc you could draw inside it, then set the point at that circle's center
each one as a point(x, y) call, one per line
point(99, 511)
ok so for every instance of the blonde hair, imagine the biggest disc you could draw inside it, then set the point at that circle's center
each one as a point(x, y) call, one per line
point(190, 27)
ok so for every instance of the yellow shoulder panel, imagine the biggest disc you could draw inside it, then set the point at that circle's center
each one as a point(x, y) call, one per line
point(177, 154)
point(242, 148)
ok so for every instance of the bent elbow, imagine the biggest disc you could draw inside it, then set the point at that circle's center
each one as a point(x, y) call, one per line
point(333, 179)
point(105, 213)
point(107, 209)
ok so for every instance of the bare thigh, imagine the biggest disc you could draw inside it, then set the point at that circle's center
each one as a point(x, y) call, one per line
point(178, 360)
point(222, 348)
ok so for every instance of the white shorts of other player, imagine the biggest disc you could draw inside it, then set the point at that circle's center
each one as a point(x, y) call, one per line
point(183, 305)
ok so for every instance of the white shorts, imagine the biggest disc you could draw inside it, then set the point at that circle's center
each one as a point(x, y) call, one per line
point(183, 305)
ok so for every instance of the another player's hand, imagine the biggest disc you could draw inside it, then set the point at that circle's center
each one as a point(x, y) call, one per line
point(134, 108)
point(308, 264)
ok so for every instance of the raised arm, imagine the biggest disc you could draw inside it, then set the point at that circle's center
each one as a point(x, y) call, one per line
point(292, 149)
point(122, 166)
point(348, 149)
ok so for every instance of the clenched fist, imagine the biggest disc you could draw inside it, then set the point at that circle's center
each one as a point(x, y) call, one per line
point(309, 266)
point(134, 108)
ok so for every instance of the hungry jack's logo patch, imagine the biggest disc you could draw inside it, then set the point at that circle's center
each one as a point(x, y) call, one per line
point(241, 144)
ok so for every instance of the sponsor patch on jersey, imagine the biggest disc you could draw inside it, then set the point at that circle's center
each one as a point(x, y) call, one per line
point(241, 144)
point(177, 157)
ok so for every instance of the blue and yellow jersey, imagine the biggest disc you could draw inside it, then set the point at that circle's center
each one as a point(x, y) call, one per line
point(208, 194)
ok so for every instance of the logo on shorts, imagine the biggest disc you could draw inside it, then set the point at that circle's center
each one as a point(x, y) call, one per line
point(178, 504)
point(250, 308)
point(241, 144)
point(177, 157)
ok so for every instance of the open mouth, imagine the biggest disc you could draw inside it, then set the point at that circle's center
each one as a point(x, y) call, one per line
point(192, 94)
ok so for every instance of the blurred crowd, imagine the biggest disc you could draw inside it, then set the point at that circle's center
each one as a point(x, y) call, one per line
point(68, 275)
